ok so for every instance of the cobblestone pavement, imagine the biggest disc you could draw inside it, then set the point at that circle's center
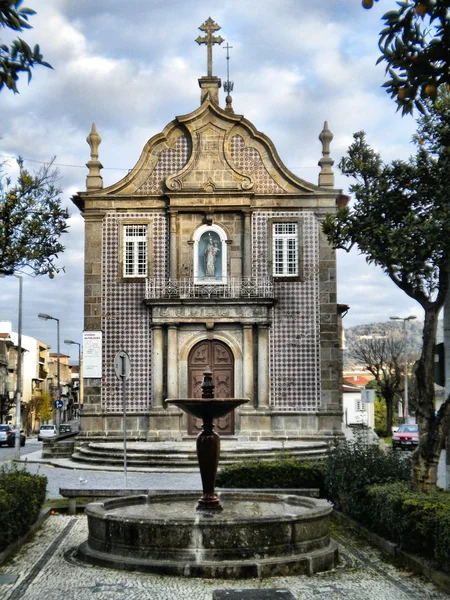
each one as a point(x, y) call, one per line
point(45, 571)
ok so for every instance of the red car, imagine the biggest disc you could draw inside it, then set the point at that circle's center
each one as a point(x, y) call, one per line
point(406, 437)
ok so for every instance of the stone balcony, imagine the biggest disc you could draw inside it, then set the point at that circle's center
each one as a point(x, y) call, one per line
point(237, 288)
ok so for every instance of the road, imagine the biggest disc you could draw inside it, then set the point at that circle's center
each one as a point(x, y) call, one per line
point(31, 445)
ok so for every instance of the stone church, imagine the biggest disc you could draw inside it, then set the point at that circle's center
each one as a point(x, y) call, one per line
point(210, 253)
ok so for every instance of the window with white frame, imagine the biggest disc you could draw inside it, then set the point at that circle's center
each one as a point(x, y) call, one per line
point(285, 249)
point(135, 249)
point(360, 406)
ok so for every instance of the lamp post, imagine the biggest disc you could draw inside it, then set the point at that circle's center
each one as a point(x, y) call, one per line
point(70, 342)
point(19, 368)
point(45, 317)
point(405, 319)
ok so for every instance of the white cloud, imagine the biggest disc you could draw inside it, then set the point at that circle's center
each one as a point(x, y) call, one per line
point(132, 67)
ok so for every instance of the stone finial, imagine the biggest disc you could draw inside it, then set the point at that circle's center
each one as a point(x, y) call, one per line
point(210, 84)
point(94, 180)
point(229, 106)
point(326, 175)
point(209, 27)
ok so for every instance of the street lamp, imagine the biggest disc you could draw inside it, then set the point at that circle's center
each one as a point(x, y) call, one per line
point(405, 319)
point(19, 368)
point(69, 342)
point(45, 317)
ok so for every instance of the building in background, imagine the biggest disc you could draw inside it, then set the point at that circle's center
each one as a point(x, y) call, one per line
point(357, 412)
point(65, 373)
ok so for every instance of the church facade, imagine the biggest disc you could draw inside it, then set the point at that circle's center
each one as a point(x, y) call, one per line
point(210, 253)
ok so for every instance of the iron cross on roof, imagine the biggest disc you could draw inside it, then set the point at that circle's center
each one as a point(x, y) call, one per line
point(209, 27)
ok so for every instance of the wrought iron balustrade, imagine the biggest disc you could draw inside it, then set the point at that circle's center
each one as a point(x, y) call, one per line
point(233, 287)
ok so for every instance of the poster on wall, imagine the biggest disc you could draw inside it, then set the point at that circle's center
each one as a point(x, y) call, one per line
point(92, 354)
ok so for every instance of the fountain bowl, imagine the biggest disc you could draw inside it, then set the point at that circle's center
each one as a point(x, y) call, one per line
point(257, 535)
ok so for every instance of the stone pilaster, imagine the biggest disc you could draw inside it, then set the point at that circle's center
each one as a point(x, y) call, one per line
point(158, 375)
point(247, 371)
point(172, 362)
point(263, 366)
point(247, 245)
point(173, 262)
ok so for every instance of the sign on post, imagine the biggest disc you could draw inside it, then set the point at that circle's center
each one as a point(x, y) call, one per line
point(122, 365)
point(92, 354)
point(122, 369)
point(368, 396)
point(59, 404)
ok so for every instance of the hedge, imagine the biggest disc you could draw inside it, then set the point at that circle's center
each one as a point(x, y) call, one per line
point(21, 498)
point(283, 472)
point(418, 522)
point(353, 466)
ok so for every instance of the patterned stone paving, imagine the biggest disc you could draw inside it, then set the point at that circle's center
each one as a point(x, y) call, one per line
point(46, 570)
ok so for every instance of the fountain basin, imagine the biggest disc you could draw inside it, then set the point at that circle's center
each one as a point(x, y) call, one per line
point(257, 535)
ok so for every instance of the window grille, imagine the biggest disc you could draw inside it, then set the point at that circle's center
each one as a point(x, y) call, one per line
point(285, 249)
point(135, 250)
point(360, 406)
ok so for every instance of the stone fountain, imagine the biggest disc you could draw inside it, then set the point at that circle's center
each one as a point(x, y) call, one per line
point(229, 535)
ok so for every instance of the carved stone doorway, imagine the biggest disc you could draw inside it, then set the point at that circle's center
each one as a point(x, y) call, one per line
point(220, 358)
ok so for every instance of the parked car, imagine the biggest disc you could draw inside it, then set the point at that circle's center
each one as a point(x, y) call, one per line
point(406, 437)
point(8, 436)
point(65, 428)
point(5, 433)
point(46, 431)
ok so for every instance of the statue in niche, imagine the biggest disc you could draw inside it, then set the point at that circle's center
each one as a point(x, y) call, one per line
point(210, 257)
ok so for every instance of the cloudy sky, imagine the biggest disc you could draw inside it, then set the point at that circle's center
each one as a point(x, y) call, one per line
point(131, 66)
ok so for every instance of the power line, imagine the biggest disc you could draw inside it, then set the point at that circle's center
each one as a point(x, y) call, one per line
point(42, 162)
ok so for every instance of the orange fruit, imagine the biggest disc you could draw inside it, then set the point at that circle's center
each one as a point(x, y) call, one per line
point(401, 94)
point(430, 90)
point(367, 3)
point(421, 9)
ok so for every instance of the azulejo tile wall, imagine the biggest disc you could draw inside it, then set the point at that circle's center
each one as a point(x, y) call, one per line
point(295, 331)
point(170, 161)
point(248, 161)
point(125, 318)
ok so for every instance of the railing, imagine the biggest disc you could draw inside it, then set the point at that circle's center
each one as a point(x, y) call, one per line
point(233, 287)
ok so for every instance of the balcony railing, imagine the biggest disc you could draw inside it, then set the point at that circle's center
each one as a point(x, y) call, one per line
point(233, 287)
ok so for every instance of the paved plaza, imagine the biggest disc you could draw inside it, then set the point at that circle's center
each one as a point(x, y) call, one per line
point(45, 569)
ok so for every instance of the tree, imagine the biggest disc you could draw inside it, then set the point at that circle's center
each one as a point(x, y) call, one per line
point(415, 45)
point(6, 403)
point(31, 221)
point(19, 57)
point(380, 416)
point(382, 356)
point(401, 222)
point(44, 409)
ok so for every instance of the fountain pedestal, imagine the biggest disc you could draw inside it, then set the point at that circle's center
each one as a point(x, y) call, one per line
point(208, 441)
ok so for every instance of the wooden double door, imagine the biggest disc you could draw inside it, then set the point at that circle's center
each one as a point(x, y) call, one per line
point(219, 358)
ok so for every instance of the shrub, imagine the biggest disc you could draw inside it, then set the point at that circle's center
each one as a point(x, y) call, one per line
point(21, 498)
point(352, 466)
point(284, 472)
point(418, 522)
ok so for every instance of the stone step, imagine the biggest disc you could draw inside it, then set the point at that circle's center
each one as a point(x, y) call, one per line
point(183, 455)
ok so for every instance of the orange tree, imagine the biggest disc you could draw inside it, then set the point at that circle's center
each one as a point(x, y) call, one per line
point(400, 220)
point(18, 57)
point(415, 45)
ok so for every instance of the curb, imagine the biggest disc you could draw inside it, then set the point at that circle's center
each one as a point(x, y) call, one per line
point(413, 562)
point(12, 548)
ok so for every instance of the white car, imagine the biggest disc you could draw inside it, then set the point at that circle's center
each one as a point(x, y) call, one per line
point(46, 431)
